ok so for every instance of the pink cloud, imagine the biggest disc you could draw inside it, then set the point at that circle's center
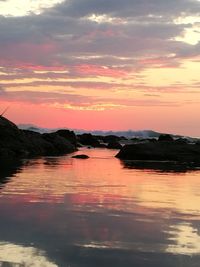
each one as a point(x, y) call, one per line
point(94, 70)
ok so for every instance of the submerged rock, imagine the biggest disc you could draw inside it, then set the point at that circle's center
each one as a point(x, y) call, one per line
point(81, 156)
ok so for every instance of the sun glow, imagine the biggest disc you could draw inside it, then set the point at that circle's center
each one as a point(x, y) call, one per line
point(105, 19)
point(191, 34)
point(19, 8)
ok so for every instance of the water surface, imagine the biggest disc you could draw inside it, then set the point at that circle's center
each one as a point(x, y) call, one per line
point(59, 211)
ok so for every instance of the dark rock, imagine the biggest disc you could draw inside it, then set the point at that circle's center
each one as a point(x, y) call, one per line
point(69, 135)
point(165, 137)
point(123, 138)
point(182, 141)
point(12, 140)
point(16, 143)
point(111, 138)
point(36, 144)
point(60, 144)
point(88, 139)
point(114, 145)
point(80, 156)
point(151, 140)
point(135, 139)
point(100, 138)
point(161, 151)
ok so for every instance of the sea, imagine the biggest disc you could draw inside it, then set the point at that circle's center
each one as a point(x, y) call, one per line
point(98, 212)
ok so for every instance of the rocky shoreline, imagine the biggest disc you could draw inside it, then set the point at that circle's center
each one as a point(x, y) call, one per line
point(17, 144)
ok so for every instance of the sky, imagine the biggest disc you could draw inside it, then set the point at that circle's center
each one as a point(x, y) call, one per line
point(101, 64)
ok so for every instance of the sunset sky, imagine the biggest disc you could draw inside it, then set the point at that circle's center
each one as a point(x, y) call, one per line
point(101, 64)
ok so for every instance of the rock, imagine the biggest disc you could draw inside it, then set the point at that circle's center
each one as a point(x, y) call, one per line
point(114, 145)
point(69, 135)
point(161, 151)
point(165, 137)
point(135, 139)
point(16, 143)
point(12, 140)
point(111, 138)
point(182, 141)
point(123, 137)
point(88, 139)
point(151, 140)
point(60, 144)
point(100, 138)
point(36, 144)
point(80, 156)
point(197, 143)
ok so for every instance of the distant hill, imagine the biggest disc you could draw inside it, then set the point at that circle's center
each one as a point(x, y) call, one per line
point(128, 134)
point(34, 128)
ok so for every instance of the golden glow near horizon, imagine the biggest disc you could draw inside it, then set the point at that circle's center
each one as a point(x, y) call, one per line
point(186, 74)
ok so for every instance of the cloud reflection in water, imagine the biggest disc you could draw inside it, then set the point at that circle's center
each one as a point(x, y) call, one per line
point(17, 256)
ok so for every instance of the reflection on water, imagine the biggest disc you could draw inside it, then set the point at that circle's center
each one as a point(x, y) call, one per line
point(96, 212)
point(161, 166)
point(7, 172)
point(19, 256)
point(187, 240)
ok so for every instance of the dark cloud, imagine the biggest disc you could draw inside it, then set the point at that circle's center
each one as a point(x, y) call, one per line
point(128, 8)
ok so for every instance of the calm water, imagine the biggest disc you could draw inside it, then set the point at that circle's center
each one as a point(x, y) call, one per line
point(65, 212)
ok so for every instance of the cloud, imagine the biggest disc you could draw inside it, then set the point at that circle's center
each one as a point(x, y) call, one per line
point(23, 8)
point(63, 33)
point(2, 91)
point(81, 102)
point(128, 8)
point(94, 46)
